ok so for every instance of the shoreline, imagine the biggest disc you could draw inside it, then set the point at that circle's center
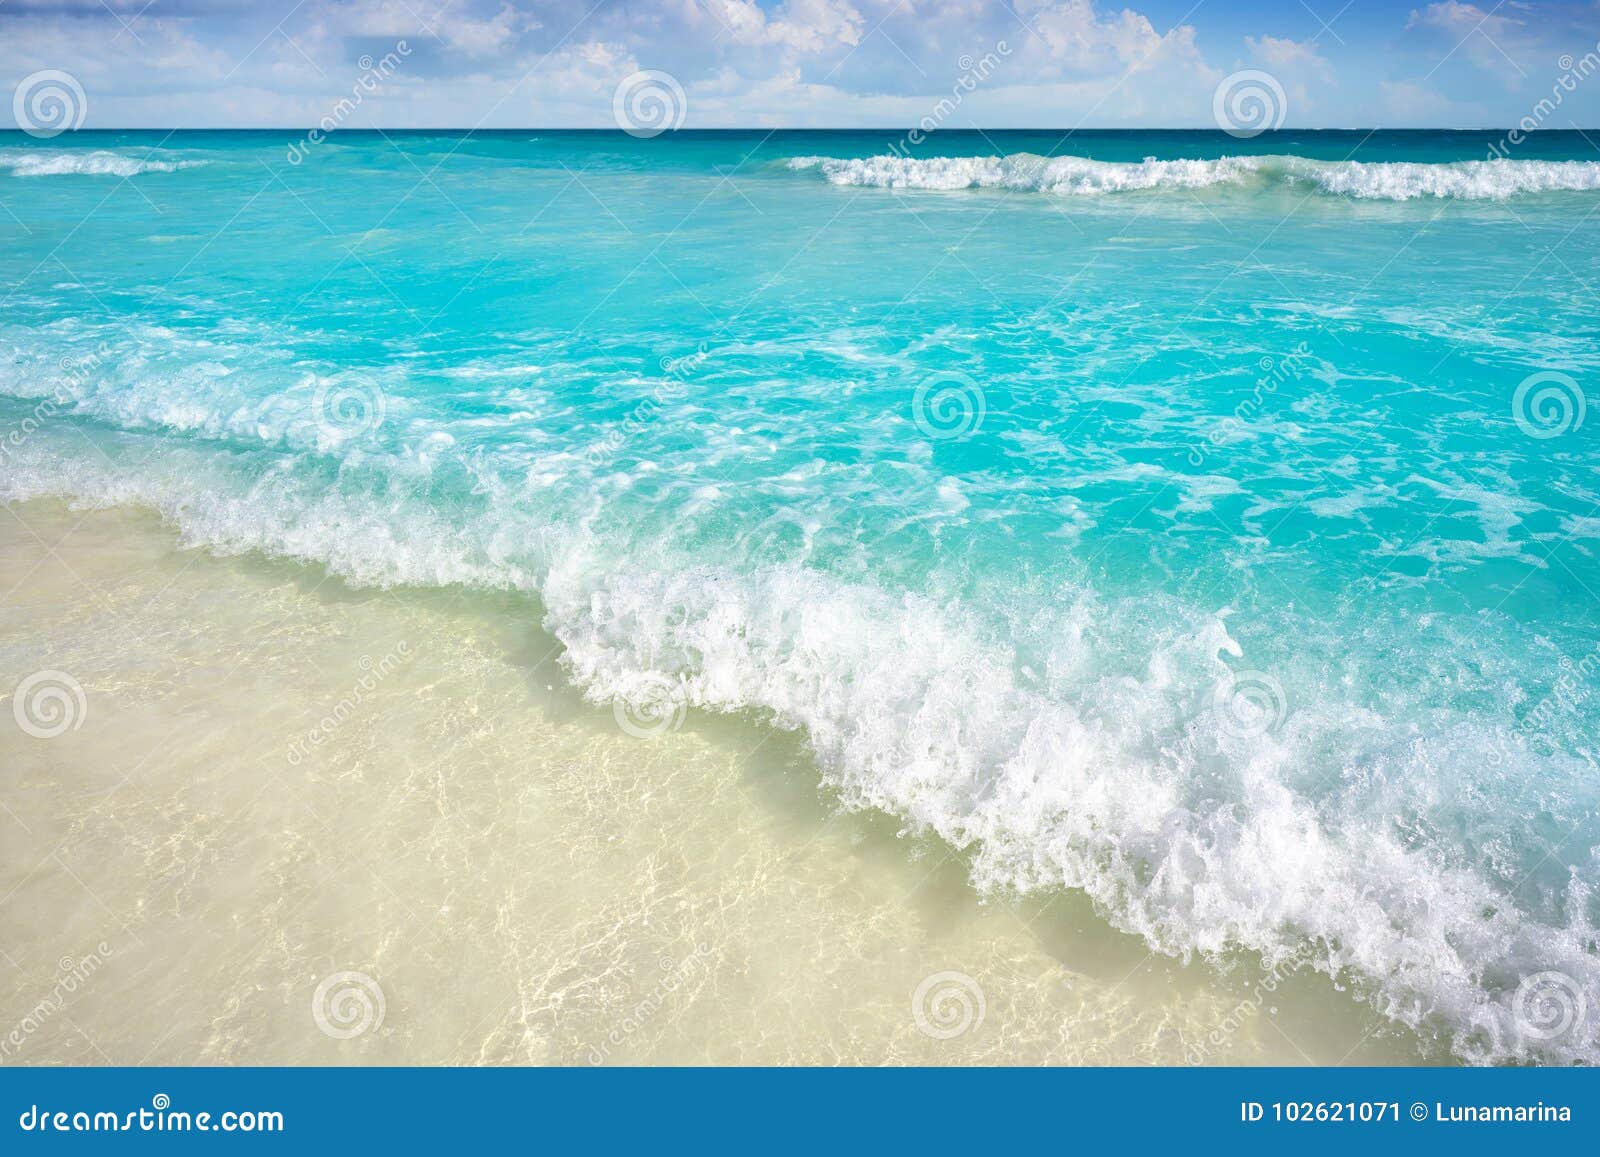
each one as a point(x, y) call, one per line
point(472, 864)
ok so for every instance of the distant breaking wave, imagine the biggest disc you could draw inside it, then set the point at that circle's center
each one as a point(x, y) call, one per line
point(99, 163)
point(1080, 176)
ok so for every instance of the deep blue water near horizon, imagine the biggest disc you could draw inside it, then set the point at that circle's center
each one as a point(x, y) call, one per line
point(1364, 144)
point(1207, 524)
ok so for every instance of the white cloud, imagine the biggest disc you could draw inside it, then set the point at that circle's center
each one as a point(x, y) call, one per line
point(780, 62)
point(484, 37)
point(1412, 105)
point(1462, 19)
point(806, 26)
point(1077, 36)
point(1287, 55)
point(1499, 44)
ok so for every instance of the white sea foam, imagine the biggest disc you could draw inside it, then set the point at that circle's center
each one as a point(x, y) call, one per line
point(1072, 741)
point(1465, 180)
point(1385, 181)
point(1121, 781)
point(1083, 750)
point(1023, 171)
point(42, 162)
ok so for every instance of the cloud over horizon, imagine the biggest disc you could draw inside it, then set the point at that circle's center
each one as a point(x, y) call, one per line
point(799, 63)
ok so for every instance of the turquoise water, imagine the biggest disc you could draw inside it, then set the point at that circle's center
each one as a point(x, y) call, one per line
point(1215, 534)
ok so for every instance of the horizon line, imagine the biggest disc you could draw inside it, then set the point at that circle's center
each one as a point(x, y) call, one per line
point(795, 129)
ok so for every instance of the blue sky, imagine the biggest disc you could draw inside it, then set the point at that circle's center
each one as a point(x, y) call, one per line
point(801, 63)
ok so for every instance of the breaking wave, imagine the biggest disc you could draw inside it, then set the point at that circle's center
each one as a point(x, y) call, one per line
point(1133, 762)
point(1080, 176)
point(98, 163)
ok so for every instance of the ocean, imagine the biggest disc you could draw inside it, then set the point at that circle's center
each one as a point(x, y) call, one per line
point(1202, 527)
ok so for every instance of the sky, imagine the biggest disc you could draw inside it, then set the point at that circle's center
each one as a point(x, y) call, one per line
point(803, 63)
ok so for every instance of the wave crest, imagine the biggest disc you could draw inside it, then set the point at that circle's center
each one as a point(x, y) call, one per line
point(1081, 176)
point(1026, 172)
point(98, 163)
point(1111, 768)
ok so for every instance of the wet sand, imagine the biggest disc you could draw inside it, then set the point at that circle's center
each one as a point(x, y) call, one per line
point(252, 815)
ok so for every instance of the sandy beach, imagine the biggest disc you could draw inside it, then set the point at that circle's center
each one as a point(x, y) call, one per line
point(292, 822)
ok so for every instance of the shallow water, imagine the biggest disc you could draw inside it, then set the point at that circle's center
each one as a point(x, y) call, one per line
point(517, 878)
point(1211, 538)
